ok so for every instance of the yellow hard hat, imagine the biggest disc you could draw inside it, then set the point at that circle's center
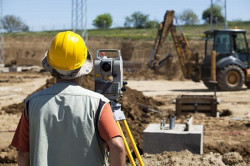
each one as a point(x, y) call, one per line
point(68, 56)
point(67, 51)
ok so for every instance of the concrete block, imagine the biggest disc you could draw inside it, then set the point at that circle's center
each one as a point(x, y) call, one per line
point(156, 140)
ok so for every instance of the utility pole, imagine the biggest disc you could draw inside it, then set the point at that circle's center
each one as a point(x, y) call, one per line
point(225, 7)
point(2, 64)
point(79, 18)
point(211, 15)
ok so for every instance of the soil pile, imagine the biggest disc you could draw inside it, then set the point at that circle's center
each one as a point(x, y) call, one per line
point(187, 158)
point(169, 71)
point(8, 155)
point(223, 135)
point(29, 50)
point(137, 116)
point(137, 113)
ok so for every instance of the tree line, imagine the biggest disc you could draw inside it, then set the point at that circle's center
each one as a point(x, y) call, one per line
point(137, 19)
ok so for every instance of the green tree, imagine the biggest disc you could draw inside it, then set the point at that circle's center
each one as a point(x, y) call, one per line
point(217, 15)
point(152, 24)
point(136, 20)
point(188, 17)
point(103, 21)
point(14, 24)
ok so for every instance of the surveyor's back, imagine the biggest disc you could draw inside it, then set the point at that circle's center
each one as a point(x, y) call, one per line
point(62, 121)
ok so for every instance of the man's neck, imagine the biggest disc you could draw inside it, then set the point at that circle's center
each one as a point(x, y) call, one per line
point(77, 80)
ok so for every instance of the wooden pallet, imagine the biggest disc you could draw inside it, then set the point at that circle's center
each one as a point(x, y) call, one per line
point(196, 103)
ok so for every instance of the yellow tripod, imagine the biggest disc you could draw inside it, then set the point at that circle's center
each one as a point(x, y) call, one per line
point(119, 116)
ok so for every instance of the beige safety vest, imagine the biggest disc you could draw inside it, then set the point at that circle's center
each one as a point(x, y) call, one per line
point(63, 122)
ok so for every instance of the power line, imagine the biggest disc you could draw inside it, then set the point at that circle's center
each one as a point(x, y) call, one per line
point(211, 15)
point(79, 18)
point(225, 6)
point(1, 37)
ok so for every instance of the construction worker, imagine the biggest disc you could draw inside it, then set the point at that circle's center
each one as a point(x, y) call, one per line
point(66, 124)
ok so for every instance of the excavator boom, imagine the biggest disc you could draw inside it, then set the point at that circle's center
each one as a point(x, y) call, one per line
point(163, 30)
point(188, 60)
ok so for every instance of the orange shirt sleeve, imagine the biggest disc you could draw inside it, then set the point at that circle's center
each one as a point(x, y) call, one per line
point(21, 137)
point(107, 126)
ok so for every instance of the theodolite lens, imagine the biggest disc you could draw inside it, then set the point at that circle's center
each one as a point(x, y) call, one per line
point(106, 66)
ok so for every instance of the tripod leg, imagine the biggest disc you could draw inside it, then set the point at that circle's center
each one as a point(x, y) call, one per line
point(133, 143)
point(126, 145)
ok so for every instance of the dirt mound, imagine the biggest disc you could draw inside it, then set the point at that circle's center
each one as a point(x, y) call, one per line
point(25, 50)
point(171, 71)
point(232, 158)
point(187, 158)
point(220, 135)
point(8, 155)
point(223, 135)
point(137, 117)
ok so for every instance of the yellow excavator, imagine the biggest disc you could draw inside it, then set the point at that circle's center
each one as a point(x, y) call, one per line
point(226, 63)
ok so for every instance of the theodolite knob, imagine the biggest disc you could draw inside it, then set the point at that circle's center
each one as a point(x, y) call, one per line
point(123, 89)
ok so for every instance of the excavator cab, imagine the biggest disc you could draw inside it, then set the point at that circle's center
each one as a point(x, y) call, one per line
point(226, 43)
point(232, 58)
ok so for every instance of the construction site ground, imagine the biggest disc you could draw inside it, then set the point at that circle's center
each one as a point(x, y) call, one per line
point(148, 99)
point(229, 133)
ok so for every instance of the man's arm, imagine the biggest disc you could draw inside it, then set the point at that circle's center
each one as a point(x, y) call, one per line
point(117, 154)
point(111, 134)
point(21, 140)
point(23, 158)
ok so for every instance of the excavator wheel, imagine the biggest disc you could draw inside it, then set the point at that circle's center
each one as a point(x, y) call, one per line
point(231, 78)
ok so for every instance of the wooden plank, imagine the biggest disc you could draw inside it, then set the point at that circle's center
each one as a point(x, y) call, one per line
point(201, 101)
point(178, 107)
point(196, 108)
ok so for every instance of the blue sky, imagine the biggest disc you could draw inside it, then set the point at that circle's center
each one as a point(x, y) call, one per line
point(56, 14)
